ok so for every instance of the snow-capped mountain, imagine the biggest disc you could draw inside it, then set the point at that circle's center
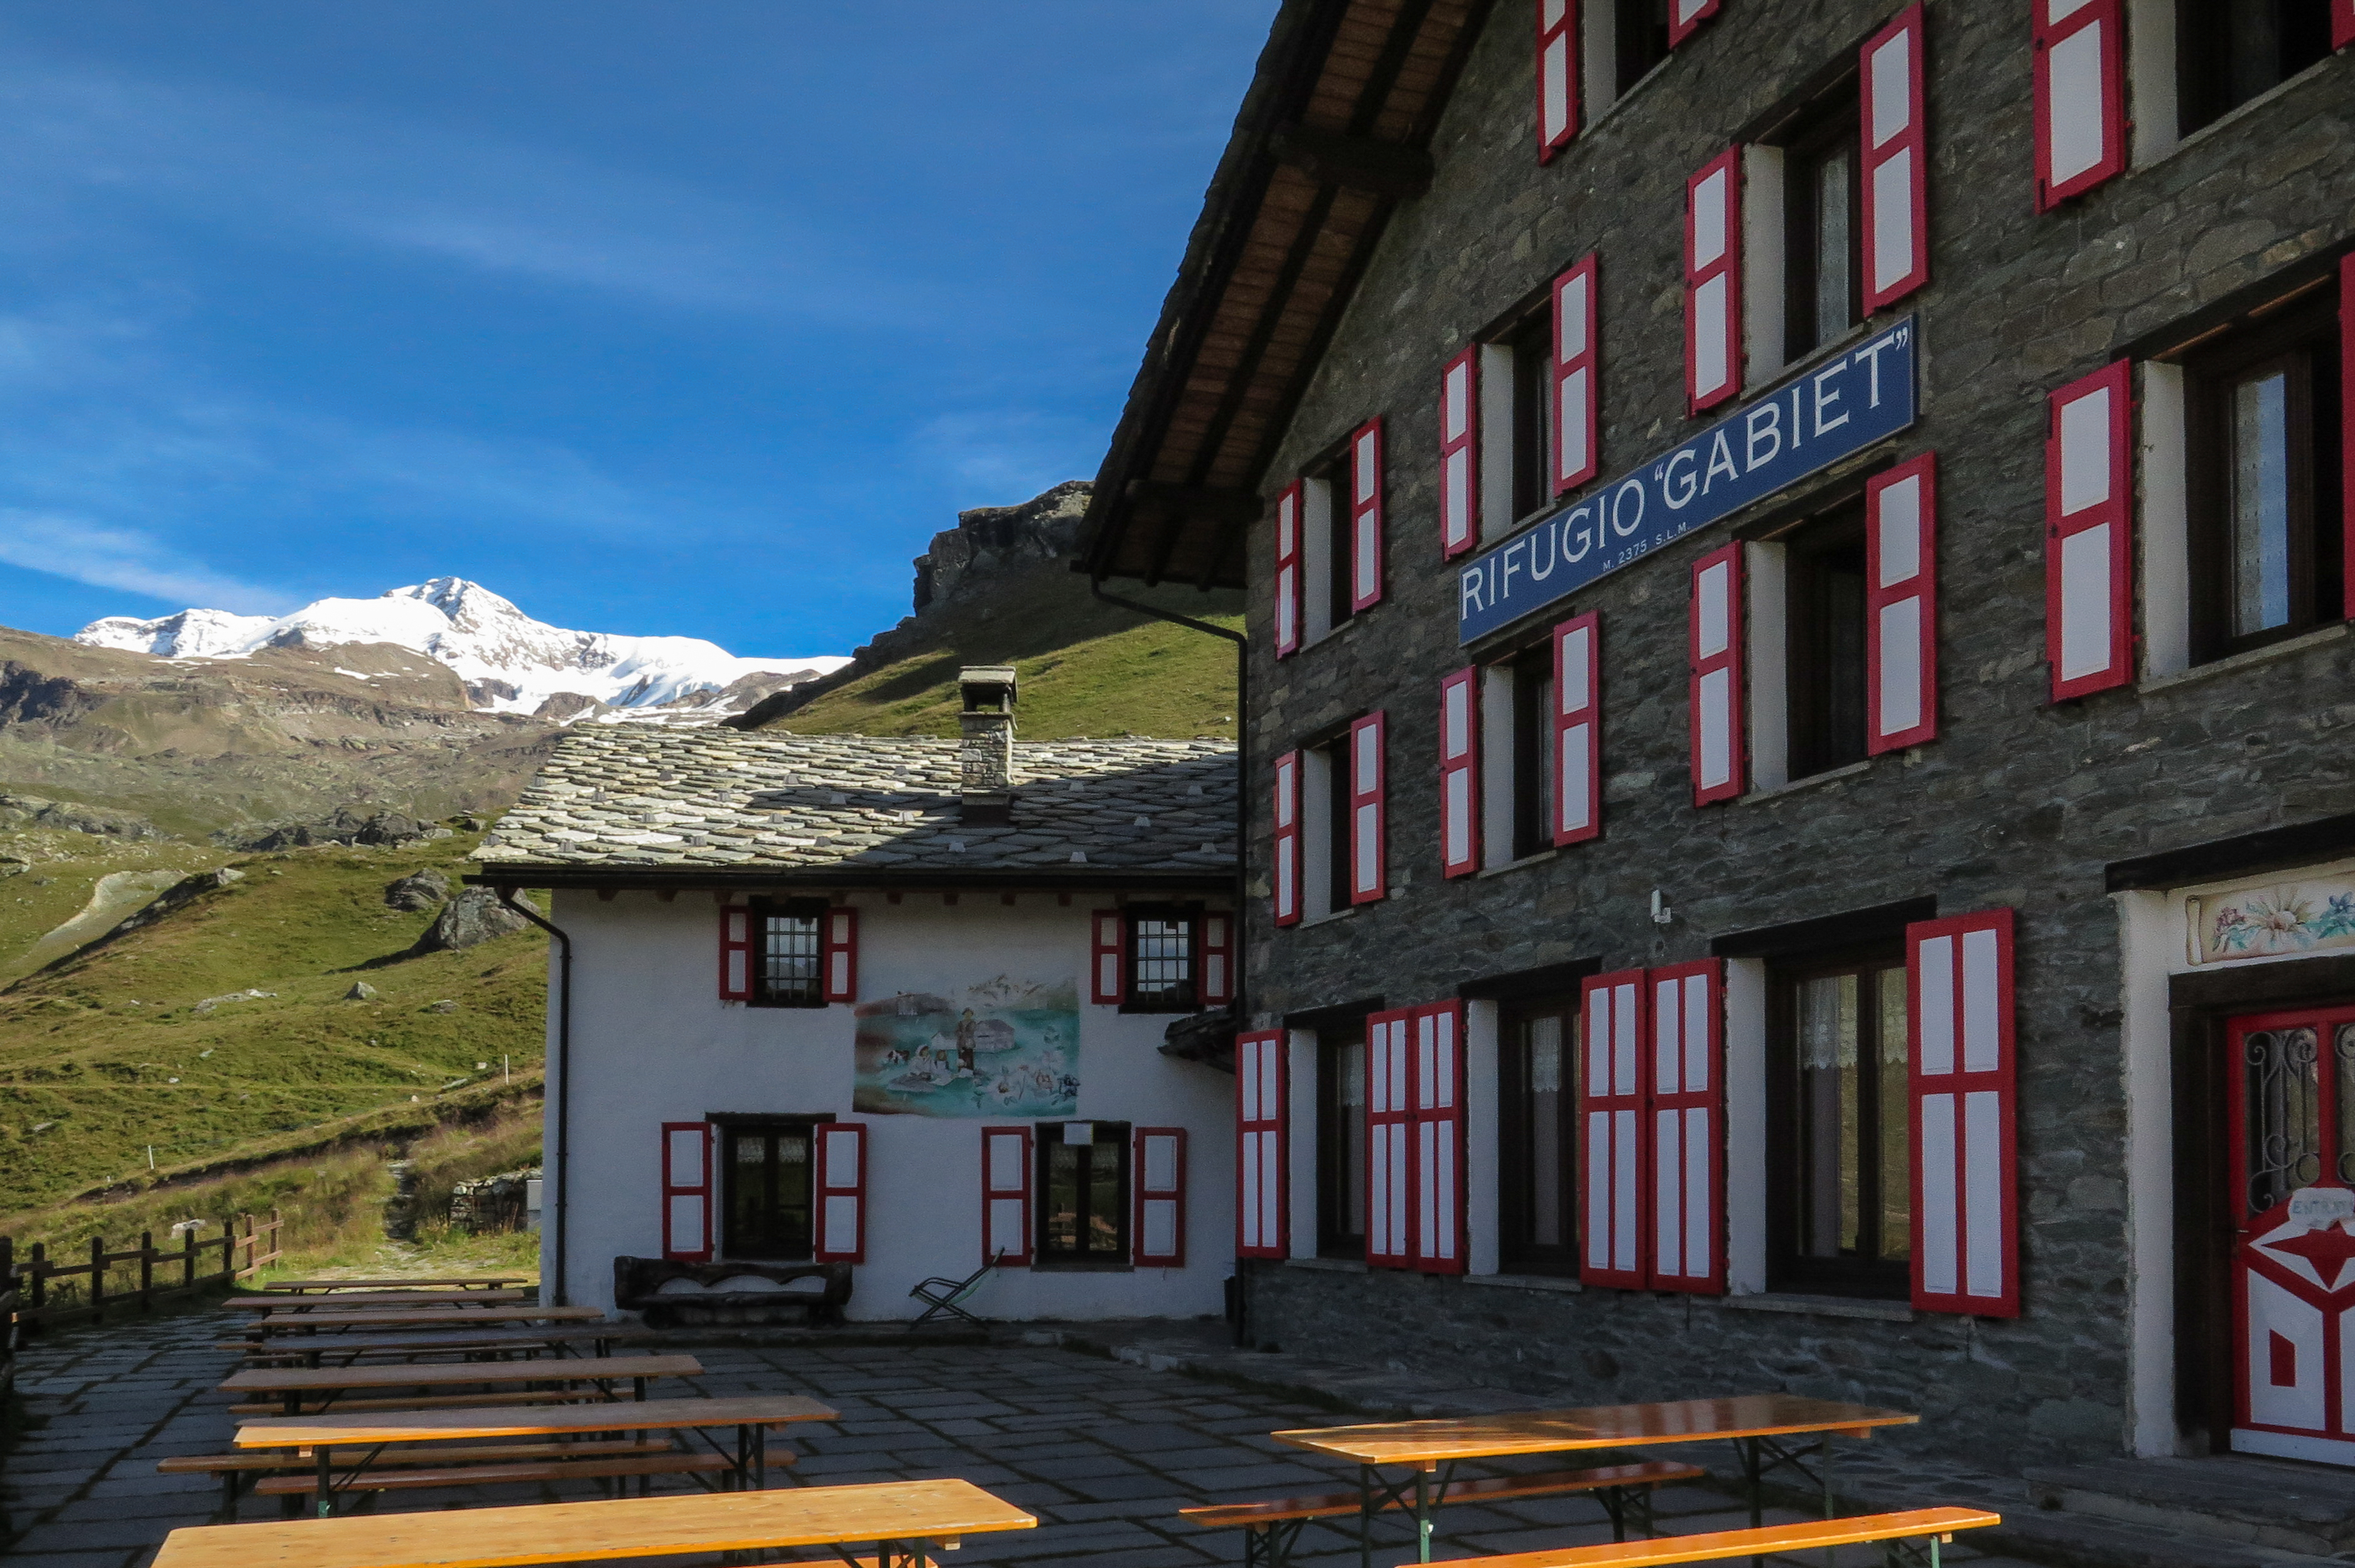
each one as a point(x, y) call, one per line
point(510, 662)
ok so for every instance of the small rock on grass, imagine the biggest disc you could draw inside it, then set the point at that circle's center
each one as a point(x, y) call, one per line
point(361, 992)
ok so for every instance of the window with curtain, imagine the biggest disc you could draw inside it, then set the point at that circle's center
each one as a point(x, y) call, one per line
point(1537, 1140)
point(1839, 1189)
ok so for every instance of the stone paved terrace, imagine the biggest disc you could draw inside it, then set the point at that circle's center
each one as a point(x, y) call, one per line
point(1103, 1451)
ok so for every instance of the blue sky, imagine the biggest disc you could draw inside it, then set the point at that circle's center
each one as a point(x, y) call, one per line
point(693, 318)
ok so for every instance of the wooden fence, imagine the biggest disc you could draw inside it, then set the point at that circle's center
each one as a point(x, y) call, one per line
point(105, 1278)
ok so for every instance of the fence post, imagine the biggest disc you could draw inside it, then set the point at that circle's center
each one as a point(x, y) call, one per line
point(188, 1259)
point(97, 1279)
point(228, 1248)
point(146, 1270)
point(40, 1272)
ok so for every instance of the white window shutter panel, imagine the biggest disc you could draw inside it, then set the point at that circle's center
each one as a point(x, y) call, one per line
point(1962, 1088)
point(735, 953)
point(1686, 15)
point(2088, 534)
point(1713, 282)
point(1366, 526)
point(1389, 1140)
point(1612, 1134)
point(2081, 96)
point(1107, 958)
point(1262, 1156)
point(840, 953)
point(1459, 454)
point(1368, 839)
point(1005, 1195)
point(1578, 729)
point(1719, 743)
point(1459, 773)
point(1218, 958)
point(1557, 74)
point(1157, 1165)
point(1286, 873)
point(1288, 584)
point(1684, 1069)
point(1577, 375)
point(687, 1190)
point(1901, 605)
point(1896, 166)
point(1435, 1072)
point(841, 1192)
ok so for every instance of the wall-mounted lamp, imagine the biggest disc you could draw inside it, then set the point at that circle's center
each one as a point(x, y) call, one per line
point(1661, 913)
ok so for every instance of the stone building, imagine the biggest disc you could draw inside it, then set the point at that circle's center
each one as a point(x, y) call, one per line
point(1799, 700)
point(854, 1012)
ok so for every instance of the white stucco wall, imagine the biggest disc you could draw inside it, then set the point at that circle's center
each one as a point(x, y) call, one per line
point(653, 1044)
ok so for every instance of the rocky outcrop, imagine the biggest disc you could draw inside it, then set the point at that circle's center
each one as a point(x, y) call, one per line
point(469, 920)
point(177, 896)
point(419, 891)
point(346, 826)
point(21, 811)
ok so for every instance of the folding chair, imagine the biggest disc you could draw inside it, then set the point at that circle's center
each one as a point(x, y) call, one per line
point(949, 1295)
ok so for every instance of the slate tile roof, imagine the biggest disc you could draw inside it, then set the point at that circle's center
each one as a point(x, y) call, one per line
point(629, 796)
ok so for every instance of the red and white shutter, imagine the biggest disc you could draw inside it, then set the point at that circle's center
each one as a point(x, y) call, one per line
point(1437, 1162)
point(1713, 282)
point(1368, 840)
point(1611, 1115)
point(1896, 163)
point(1688, 1125)
point(1718, 743)
point(1006, 1194)
point(841, 1192)
point(2081, 96)
point(1287, 571)
point(687, 1190)
point(1577, 368)
point(1107, 958)
point(1261, 1158)
point(1160, 1223)
point(1685, 16)
point(1366, 515)
point(735, 953)
point(1900, 604)
point(1578, 729)
point(2342, 23)
point(841, 954)
point(2345, 12)
point(1389, 1139)
point(1459, 773)
point(1217, 958)
point(1557, 75)
point(1962, 1084)
point(1286, 870)
point(2088, 535)
point(1459, 454)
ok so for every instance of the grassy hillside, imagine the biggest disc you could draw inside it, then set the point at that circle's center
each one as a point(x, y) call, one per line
point(153, 1042)
point(1087, 669)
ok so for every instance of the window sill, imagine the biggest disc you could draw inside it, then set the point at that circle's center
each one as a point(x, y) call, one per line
point(1604, 114)
point(1829, 775)
point(1080, 1266)
point(1327, 1265)
point(1791, 370)
point(1527, 860)
point(1334, 633)
point(2230, 117)
point(1819, 1306)
point(1526, 1282)
point(2250, 660)
point(1327, 918)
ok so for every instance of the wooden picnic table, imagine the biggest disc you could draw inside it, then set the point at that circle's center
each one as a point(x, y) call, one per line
point(1755, 1423)
point(903, 1519)
point(462, 1282)
point(751, 1416)
point(433, 1318)
point(413, 1300)
point(342, 1350)
point(292, 1384)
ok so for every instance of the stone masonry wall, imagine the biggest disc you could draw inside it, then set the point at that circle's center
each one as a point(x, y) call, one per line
point(2019, 802)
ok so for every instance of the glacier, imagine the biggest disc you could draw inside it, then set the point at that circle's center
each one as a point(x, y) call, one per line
point(509, 662)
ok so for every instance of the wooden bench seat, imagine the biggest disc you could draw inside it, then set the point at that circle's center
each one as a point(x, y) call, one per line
point(1929, 1525)
point(301, 1459)
point(373, 1481)
point(1495, 1488)
point(426, 1402)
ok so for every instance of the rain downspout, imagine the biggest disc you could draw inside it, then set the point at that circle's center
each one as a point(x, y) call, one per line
point(563, 1076)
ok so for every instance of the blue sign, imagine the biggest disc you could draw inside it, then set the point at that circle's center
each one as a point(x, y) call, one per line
point(1841, 406)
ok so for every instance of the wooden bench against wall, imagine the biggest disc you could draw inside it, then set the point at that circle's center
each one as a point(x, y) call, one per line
point(1908, 1539)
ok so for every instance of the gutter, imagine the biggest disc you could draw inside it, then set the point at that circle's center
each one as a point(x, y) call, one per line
point(1242, 756)
point(562, 1100)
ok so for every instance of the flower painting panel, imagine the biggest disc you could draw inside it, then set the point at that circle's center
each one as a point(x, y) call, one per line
point(2274, 920)
point(1003, 1048)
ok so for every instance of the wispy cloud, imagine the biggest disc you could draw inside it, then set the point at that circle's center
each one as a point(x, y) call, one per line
point(1002, 456)
point(85, 552)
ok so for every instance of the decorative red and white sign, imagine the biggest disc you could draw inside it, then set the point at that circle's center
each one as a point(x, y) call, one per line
point(2296, 1279)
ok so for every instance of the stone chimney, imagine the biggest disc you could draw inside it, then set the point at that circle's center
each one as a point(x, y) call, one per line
point(986, 750)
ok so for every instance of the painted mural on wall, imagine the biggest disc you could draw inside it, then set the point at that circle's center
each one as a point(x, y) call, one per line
point(2268, 920)
point(1006, 1047)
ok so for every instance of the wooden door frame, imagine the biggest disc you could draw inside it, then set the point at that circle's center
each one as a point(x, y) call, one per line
point(2198, 1004)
